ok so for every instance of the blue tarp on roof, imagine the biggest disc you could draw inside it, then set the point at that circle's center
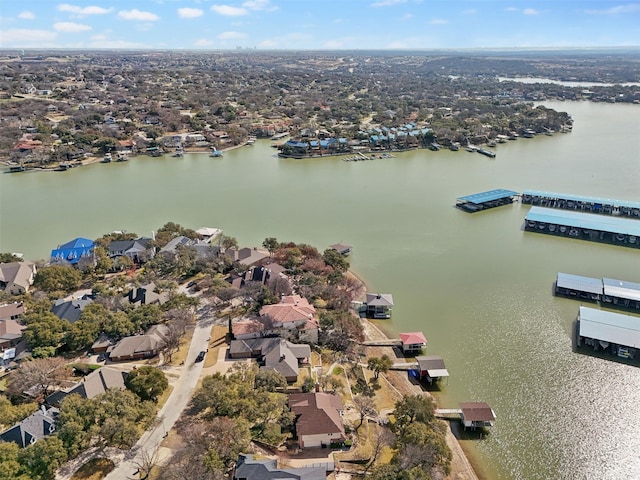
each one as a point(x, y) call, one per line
point(580, 198)
point(587, 221)
point(73, 251)
point(488, 196)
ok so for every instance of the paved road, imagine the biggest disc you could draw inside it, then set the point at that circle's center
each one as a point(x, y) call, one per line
point(150, 441)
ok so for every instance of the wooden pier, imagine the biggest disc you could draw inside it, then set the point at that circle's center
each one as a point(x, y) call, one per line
point(448, 413)
point(394, 342)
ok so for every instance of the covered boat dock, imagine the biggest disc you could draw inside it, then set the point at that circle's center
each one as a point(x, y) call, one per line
point(586, 226)
point(607, 291)
point(613, 332)
point(485, 200)
point(603, 206)
point(431, 367)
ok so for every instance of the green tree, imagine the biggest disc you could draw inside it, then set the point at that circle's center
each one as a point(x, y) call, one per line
point(413, 408)
point(82, 334)
point(57, 278)
point(10, 466)
point(44, 330)
point(147, 382)
point(334, 259)
point(103, 262)
point(271, 244)
point(6, 257)
point(227, 242)
point(269, 380)
point(379, 365)
point(44, 457)
point(11, 414)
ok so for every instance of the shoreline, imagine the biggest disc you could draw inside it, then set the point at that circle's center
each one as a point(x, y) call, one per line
point(462, 466)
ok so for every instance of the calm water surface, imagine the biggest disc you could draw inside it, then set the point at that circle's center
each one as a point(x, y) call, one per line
point(477, 285)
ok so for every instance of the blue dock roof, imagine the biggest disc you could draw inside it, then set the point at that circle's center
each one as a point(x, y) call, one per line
point(588, 221)
point(580, 198)
point(488, 196)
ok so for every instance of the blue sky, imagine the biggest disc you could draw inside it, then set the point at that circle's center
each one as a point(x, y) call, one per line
point(318, 24)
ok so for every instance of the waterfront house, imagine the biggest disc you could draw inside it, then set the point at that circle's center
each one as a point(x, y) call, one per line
point(379, 305)
point(341, 248)
point(294, 314)
point(249, 468)
point(17, 277)
point(318, 419)
point(273, 354)
point(138, 250)
point(73, 252)
point(476, 415)
point(413, 343)
point(246, 256)
point(146, 295)
point(33, 428)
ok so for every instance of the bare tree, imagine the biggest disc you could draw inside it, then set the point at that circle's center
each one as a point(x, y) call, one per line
point(39, 376)
point(365, 406)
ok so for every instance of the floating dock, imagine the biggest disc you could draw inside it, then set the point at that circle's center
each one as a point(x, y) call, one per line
point(485, 200)
point(585, 226)
point(608, 292)
point(607, 331)
point(602, 206)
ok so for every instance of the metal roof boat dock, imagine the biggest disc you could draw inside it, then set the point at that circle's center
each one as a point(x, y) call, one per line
point(485, 200)
point(613, 332)
point(605, 206)
point(586, 226)
point(607, 291)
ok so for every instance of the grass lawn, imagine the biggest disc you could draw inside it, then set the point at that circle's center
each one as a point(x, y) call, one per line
point(94, 469)
point(218, 337)
point(164, 397)
point(181, 355)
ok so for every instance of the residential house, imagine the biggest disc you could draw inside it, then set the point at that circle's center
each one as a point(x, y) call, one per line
point(318, 419)
point(245, 256)
point(379, 305)
point(146, 295)
point(70, 310)
point(138, 250)
point(137, 347)
point(17, 277)
point(248, 468)
point(263, 274)
point(294, 314)
point(10, 333)
point(73, 252)
point(341, 248)
point(180, 241)
point(247, 328)
point(32, 428)
point(94, 384)
point(11, 311)
point(274, 354)
point(413, 343)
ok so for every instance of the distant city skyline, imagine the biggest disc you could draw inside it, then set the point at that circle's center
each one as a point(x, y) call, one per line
point(318, 25)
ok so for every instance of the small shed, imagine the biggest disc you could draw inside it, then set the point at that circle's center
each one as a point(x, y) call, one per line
point(477, 415)
point(432, 367)
point(379, 305)
point(413, 343)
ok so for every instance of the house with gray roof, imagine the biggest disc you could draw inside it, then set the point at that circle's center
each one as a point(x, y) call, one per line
point(17, 277)
point(274, 354)
point(138, 250)
point(70, 310)
point(94, 384)
point(248, 468)
point(146, 295)
point(137, 347)
point(32, 428)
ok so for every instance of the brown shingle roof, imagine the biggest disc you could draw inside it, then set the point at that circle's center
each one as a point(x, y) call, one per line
point(318, 413)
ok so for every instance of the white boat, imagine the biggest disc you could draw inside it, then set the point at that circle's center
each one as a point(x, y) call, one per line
point(215, 152)
point(107, 158)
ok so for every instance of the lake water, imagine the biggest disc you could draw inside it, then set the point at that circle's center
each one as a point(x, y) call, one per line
point(477, 285)
point(566, 83)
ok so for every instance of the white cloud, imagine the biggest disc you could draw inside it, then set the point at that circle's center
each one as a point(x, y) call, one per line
point(530, 11)
point(22, 37)
point(231, 35)
point(387, 3)
point(469, 11)
point(438, 21)
point(89, 10)
point(408, 16)
point(136, 14)
point(190, 12)
point(229, 11)
point(70, 27)
point(203, 42)
point(511, 9)
point(115, 44)
point(620, 9)
point(269, 43)
point(264, 5)
point(26, 15)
